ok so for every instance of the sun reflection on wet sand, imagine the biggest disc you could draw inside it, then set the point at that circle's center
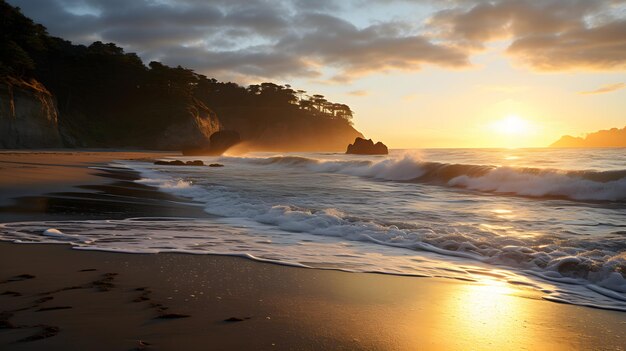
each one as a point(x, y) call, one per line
point(491, 314)
point(485, 312)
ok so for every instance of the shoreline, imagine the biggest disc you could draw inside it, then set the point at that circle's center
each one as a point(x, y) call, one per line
point(82, 185)
point(53, 296)
point(104, 300)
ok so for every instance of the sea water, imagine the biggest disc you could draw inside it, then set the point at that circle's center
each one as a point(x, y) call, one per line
point(553, 220)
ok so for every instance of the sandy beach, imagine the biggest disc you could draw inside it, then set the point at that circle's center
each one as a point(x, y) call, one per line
point(113, 301)
point(79, 184)
point(54, 297)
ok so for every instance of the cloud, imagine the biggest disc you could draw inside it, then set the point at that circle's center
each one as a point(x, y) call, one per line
point(607, 88)
point(264, 39)
point(359, 93)
point(334, 42)
point(329, 41)
point(598, 48)
point(549, 35)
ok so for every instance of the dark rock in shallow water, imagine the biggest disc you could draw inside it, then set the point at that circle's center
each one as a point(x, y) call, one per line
point(224, 140)
point(219, 142)
point(179, 163)
point(216, 165)
point(367, 147)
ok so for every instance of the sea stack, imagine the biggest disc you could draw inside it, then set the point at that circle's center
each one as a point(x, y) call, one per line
point(367, 147)
point(219, 142)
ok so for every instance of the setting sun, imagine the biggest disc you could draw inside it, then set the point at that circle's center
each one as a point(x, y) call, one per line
point(512, 124)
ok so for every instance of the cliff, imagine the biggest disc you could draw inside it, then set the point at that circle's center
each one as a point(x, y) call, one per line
point(604, 138)
point(196, 129)
point(109, 98)
point(28, 115)
point(150, 121)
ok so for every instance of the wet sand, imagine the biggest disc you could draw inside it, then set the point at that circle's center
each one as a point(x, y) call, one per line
point(113, 301)
point(25, 173)
point(57, 185)
point(53, 297)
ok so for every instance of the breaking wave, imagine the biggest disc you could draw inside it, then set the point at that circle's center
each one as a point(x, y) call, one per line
point(598, 266)
point(534, 182)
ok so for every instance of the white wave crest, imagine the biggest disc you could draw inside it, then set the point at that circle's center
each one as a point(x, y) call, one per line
point(512, 181)
point(533, 182)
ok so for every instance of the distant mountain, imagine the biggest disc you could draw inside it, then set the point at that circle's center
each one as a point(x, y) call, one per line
point(604, 138)
point(54, 93)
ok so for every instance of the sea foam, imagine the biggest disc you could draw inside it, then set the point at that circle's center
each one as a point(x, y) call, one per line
point(532, 182)
point(545, 258)
point(283, 210)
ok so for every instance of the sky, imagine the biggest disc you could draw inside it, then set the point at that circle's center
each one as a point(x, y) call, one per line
point(421, 73)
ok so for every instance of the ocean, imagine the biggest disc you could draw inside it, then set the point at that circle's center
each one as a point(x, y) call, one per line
point(551, 220)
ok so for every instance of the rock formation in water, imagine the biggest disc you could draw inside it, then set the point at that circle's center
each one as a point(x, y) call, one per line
point(604, 138)
point(28, 115)
point(367, 147)
point(217, 144)
point(196, 126)
point(179, 163)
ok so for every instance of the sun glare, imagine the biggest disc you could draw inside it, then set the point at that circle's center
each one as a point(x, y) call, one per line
point(512, 125)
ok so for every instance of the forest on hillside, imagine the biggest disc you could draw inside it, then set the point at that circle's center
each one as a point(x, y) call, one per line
point(109, 98)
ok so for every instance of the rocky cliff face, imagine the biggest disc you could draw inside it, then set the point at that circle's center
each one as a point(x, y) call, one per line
point(28, 115)
point(195, 130)
point(149, 122)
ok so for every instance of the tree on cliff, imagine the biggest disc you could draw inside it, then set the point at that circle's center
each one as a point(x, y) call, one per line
point(107, 97)
point(19, 38)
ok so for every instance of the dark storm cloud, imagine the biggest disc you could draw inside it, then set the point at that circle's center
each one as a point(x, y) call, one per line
point(294, 38)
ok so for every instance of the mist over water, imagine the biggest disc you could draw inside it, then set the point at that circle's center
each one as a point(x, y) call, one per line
point(550, 219)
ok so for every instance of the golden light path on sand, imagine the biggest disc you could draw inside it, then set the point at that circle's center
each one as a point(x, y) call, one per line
point(493, 315)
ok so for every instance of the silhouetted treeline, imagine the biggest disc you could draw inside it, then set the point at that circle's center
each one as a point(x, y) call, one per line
point(107, 97)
